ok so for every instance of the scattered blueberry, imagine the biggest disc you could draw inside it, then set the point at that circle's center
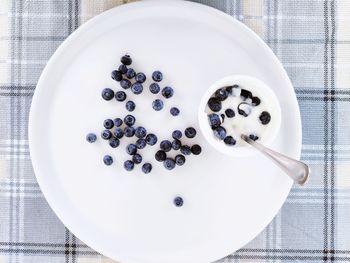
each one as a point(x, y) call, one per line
point(123, 69)
point(221, 94)
point(107, 159)
point(177, 134)
point(106, 134)
point(116, 75)
point(180, 159)
point(125, 83)
point(146, 168)
point(245, 94)
point(130, 105)
point(137, 88)
point(130, 73)
point(91, 137)
point(220, 132)
point(120, 95)
point(190, 132)
point(157, 76)
point(129, 131)
point(185, 149)
point(126, 60)
point(151, 139)
point(154, 88)
point(230, 113)
point(140, 132)
point(160, 156)
point(157, 105)
point(229, 140)
point(128, 165)
point(108, 124)
point(107, 94)
point(140, 143)
point(131, 149)
point(214, 120)
point(137, 158)
point(165, 145)
point(140, 77)
point(167, 92)
point(253, 137)
point(214, 104)
point(196, 149)
point(169, 164)
point(118, 133)
point(244, 109)
point(129, 120)
point(174, 111)
point(178, 201)
point(265, 117)
point(118, 122)
point(255, 101)
point(176, 144)
point(114, 142)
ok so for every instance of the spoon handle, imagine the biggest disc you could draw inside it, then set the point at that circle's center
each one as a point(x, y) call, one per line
point(296, 170)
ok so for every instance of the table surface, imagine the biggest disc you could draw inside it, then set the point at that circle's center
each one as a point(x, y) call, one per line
point(312, 40)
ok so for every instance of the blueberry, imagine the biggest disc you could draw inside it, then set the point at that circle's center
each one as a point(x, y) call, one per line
point(107, 94)
point(140, 77)
point(151, 139)
point(114, 142)
point(167, 92)
point(177, 134)
point(229, 140)
point(140, 132)
point(137, 88)
point(253, 137)
point(265, 117)
point(160, 156)
point(214, 104)
point(178, 201)
point(129, 131)
point(107, 159)
point(130, 73)
point(230, 113)
point(128, 165)
point(146, 168)
point(180, 159)
point(157, 76)
point(255, 101)
point(157, 105)
point(221, 94)
point(154, 88)
point(176, 144)
point(196, 149)
point(169, 164)
point(108, 124)
point(185, 149)
point(123, 69)
point(116, 75)
point(190, 132)
point(174, 111)
point(214, 120)
point(245, 94)
point(118, 122)
point(244, 109)
point(220, 132)
point(126, 60)
point(165, 145)
point(118, 133)
point(131, 149)
point(91, 137)
point(106, 134)
point(137, 158)
point(236, 90)
point(130, 105)
point(140, 143)
point(129, 120)
point(120, 95)
point(125, 83)
point(229, 90)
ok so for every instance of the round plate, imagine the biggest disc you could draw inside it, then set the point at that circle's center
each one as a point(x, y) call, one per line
point(129, 216)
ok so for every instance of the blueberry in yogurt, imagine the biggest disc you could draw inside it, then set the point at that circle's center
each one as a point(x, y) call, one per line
point(214, 104)
point(220, 132)
point(265, 117)
point(244, 109)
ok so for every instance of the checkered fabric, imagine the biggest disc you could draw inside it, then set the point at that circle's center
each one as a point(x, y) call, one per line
point(310, 37)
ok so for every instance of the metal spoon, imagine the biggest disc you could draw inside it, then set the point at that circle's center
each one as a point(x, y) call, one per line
point(296, 170)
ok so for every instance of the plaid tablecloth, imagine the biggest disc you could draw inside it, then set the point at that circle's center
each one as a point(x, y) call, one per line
point(310, 37)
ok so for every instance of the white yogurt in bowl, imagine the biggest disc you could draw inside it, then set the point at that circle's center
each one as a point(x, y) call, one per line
point(252, 121)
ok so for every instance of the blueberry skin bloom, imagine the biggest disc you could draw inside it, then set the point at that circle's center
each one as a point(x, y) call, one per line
point(125, 83)
point(167, 92)
point(140, 77)
point(180, 159)
point(154, 88)
point(128, 165)
point(129, 120)
point(91, 137)
point(157, 105)
point(146, 168)
point(185, 150)
point(118, 122)
point(130, 73)
point(190, 132)
point(131, 149)
point(174, 111)
point(117, 75)
point(107, 94)
point(106, 134)
point(129, 131)
point(114, 142)
point(118, 133)
point(120, 95)
point(141, 143)
point(176, 144)
point(220, 133)
point(137, 158)
point(108, 124)
point(130, 106)
point(157, 76)
point(151, 139)
point(126, 60)
point(214, 120)
point(177, 134)
point(165, 146)
point(178, 201)
point(169, 164)
point(140, 132)
point(108, 160)
point(137, 88)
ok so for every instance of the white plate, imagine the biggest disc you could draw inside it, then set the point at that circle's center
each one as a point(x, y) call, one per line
point(130, 216)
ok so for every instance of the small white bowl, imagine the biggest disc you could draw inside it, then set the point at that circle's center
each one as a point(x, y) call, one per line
point(269, 102)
